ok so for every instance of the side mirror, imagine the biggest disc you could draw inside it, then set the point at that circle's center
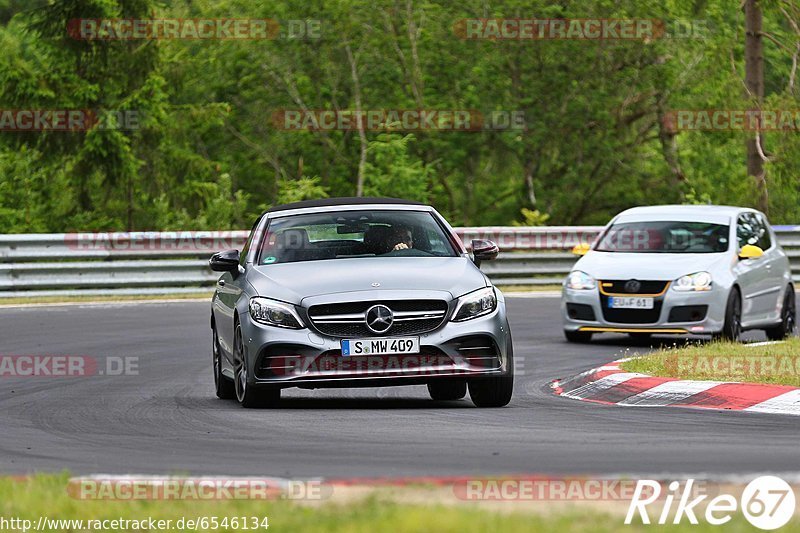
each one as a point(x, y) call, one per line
point(484, 251)
point(227, 261)
point(582, 248)
point(749, 251)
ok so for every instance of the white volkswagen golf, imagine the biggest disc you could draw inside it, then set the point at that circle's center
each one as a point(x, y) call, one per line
point(681, 269)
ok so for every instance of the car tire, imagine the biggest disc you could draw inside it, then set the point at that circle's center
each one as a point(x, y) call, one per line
point(494, 391)
point(447, 390)
point(491, 392)
point(246, 394)
point(223, 385)
point(732, 329)
point(788, 319)
point(578, 336)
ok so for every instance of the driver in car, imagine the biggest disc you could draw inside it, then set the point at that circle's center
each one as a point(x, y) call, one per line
point(402, 236)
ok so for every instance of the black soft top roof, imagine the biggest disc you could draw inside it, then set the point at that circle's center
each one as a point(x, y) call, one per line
point(328, 202)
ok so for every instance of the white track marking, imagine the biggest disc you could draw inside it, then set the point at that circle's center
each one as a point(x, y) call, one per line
point(668, 393)
point(601, 384)
point(786, 404)
point(764, 343)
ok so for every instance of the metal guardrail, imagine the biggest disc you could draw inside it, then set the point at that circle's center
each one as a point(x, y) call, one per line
point(177, 262)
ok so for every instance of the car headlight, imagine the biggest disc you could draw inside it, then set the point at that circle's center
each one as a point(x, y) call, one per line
point(475, 304)
point(580, 281)
point(273, 313)
point(699, 281)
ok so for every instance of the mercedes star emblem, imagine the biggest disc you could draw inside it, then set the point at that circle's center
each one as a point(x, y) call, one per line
point(379, 318)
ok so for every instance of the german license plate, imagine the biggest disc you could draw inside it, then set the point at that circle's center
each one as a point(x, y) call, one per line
point(380, 346)
point(630, 302)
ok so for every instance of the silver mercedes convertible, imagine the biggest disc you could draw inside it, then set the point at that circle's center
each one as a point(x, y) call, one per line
point(358, 292)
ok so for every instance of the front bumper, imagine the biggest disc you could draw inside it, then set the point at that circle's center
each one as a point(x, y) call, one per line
point(680, 313)
point(306, 358)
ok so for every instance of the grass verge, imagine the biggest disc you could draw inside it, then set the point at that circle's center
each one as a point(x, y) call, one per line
point(28, 300)
point(529, 288)
point(46, 496)
point(25, 300)
point(725, 361)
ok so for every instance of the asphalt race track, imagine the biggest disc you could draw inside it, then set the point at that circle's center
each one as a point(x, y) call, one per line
point(166, 419)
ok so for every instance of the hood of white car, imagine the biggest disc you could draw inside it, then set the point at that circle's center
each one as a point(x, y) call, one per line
point(647, 266)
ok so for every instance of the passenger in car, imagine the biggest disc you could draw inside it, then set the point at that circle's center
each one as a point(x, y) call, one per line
point(377, 239)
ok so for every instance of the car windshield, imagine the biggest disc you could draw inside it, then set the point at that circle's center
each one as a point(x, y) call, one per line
point(672, 237)
point(349, 234)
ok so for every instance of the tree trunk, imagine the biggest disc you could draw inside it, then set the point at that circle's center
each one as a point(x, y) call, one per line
point(667, 136)
point(754, 81)
point(362, 137)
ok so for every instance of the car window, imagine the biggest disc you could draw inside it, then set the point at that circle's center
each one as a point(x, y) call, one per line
point(666, 236)
point(438, 242)
point(751, 229)
point(349, 234)
point(248, 243)
point(765, 242)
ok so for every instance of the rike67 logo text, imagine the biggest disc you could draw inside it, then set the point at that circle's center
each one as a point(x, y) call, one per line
point(767, 502)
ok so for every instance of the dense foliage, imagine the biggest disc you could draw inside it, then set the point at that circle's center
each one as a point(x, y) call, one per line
point(206, 153)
